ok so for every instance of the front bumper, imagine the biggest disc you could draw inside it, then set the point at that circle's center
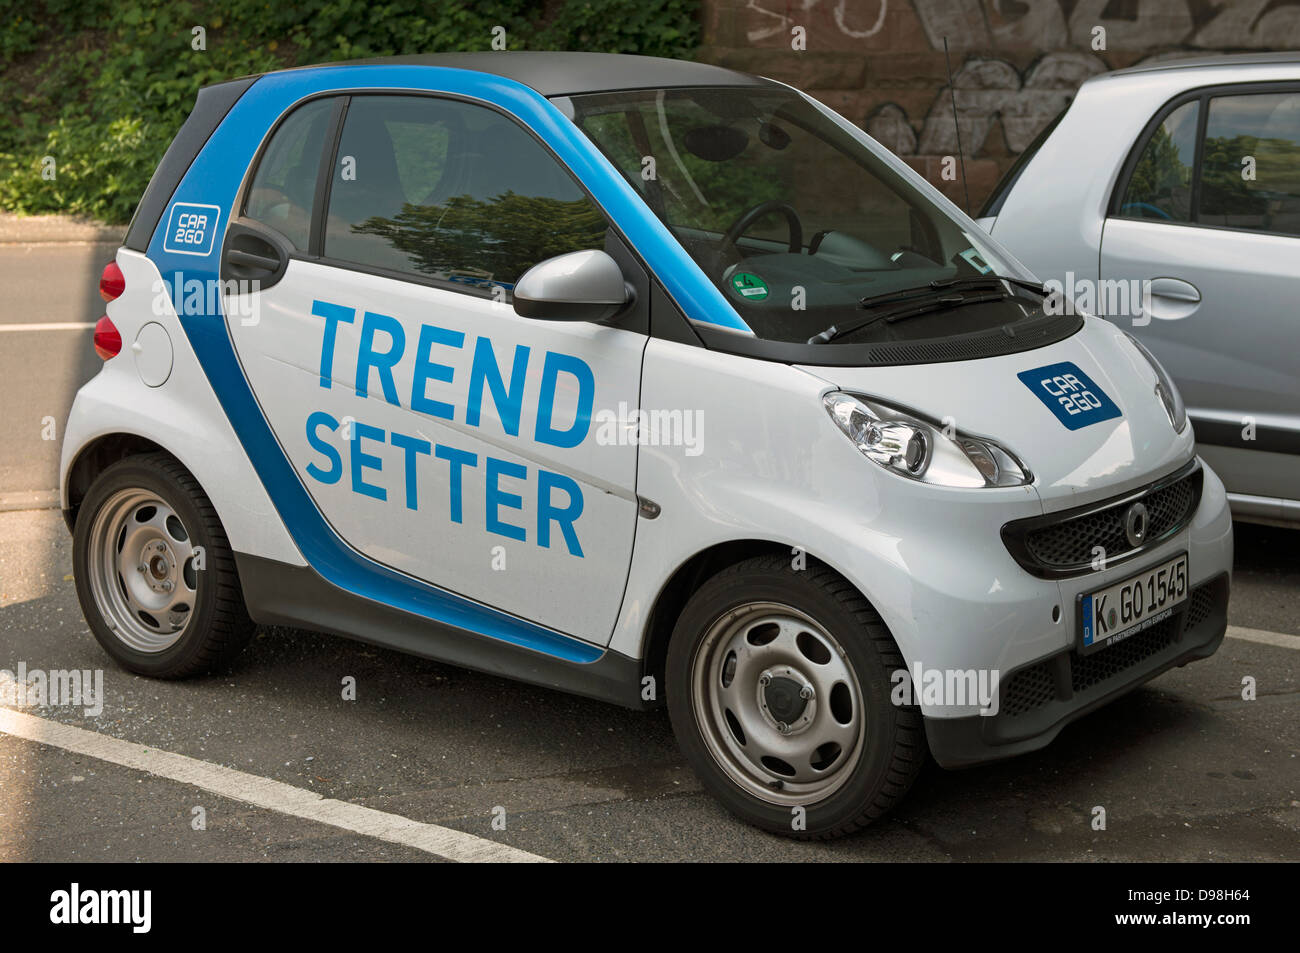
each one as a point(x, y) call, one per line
point(1039, 699)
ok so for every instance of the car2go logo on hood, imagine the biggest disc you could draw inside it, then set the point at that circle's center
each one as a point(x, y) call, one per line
point(1070, 394)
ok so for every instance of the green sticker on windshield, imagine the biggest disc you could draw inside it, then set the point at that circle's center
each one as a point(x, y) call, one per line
point(749, 286)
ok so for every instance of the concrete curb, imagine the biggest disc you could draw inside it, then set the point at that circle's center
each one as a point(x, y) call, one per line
point(56, 229)
point(29, 500)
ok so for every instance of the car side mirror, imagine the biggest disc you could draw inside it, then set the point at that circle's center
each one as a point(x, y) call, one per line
point(577, 286)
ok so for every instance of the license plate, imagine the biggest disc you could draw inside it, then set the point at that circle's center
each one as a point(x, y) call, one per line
point(1112, 614)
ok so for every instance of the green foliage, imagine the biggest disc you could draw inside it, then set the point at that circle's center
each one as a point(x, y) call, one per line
point(1224, 190)
point(497, 239)
point(103, 87)
point(1161, 180)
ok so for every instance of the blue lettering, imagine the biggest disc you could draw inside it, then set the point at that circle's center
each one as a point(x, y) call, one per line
point(381, 361)
point(333, 314)
point(426, 370)
point(547, 512)
point(580, 372)
point(457, 460)
point(318, 444)
point(497, 498)
point(362, 460)
point(508, 402)
point(413, 446)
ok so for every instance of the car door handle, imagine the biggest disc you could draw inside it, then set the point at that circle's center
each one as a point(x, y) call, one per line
point(254, 253)
point(249, 259)
point(1175, 288)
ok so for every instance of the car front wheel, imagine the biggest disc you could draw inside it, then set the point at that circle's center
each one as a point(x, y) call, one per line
point(778, 686)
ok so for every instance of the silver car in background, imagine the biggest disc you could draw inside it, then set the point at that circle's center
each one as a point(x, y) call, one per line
point(1166, 197)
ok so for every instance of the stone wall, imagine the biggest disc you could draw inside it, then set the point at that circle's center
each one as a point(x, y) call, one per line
point(1015, 63)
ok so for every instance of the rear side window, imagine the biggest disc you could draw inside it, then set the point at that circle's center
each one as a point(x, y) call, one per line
point(1160, 186)
point(284, 185)
point(1250, 172)
point(451, 191)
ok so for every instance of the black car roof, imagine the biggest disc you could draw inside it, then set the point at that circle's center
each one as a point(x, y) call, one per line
point(563, 74)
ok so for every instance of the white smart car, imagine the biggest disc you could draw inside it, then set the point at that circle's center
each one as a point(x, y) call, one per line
point(646, 380)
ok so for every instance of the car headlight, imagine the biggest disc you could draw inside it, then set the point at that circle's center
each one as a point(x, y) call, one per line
point(1166, 390)
point(911, 446)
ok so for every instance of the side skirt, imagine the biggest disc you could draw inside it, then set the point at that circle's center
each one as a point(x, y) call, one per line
point(280, 594)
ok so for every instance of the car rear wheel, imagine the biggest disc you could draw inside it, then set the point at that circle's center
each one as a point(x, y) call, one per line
point(778, 686)
point(154, 572)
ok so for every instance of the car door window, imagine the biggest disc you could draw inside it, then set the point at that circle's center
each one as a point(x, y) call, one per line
point(450, 191)
point(1250, 170)
point(283, 189)
point(1160, 185)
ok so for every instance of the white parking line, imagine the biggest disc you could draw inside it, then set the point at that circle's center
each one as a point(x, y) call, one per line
point(263, 792)
point(49, 326)
point(1264, 638)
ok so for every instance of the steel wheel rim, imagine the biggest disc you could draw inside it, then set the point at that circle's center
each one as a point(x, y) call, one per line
point(141, 570)
point(746, 669)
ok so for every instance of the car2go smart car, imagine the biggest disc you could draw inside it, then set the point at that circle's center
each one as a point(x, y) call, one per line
point(645, 380)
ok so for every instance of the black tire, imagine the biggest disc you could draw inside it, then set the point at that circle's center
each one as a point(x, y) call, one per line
point(218, 625)
point(893, 747)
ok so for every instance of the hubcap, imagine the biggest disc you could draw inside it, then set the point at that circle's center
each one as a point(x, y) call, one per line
point(141, 571)
point(778, 703)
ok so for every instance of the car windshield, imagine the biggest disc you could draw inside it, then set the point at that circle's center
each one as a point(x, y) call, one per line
point(794, 218)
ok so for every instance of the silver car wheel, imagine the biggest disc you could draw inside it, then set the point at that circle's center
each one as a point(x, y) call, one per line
point(142, 573)
point(777, 703)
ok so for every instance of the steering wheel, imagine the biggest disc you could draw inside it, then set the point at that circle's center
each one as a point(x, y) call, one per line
point(752, 215)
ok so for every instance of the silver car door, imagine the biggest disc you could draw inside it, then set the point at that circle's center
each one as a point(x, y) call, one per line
point(1205, 232)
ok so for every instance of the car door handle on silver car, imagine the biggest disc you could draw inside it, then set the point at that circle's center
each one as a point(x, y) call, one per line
point(1169, 299)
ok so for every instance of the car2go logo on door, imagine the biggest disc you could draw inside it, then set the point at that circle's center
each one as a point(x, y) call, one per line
point(191, 229)
point(1070, 394)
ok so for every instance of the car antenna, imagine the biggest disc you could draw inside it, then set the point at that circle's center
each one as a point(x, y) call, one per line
point(957, 126)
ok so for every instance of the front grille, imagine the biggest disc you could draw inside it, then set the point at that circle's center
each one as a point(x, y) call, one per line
point(1089, 670)
point(1028, 689)
point(1066, 544)
point(1199, 606)
point(1036, 685)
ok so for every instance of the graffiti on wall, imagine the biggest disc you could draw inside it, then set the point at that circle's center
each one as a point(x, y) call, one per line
point(1129, 24)
point(988, 90)
point(1050, 24)
point(854, 20)
point(1015, 63)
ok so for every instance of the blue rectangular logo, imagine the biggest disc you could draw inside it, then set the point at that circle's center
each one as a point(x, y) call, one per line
point(191, 229)
point(1070, 394)
point(1087, 620)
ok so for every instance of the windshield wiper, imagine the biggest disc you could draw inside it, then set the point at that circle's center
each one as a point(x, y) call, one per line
point(937, 295)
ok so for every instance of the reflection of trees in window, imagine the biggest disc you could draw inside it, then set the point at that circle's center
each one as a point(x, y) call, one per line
point(1225, 192)
point(500, 238)
point(1160, 178)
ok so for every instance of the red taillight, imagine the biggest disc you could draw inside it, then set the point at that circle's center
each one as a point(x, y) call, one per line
point(112, 282)
point(108, 342)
